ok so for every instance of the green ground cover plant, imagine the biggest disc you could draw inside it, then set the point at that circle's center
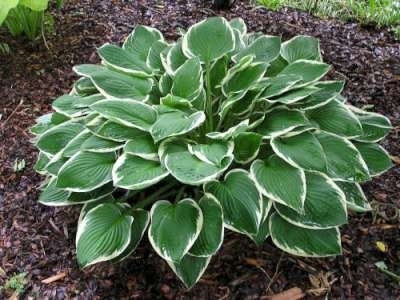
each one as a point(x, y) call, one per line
point(367, 12)
point(221, 129)
point(27, 17)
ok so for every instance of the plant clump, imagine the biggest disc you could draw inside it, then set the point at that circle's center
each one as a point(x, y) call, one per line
point(222, 128)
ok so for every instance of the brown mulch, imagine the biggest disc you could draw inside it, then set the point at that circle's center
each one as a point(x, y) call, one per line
point(39, 240)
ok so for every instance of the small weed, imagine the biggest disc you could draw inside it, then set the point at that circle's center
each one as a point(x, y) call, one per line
point(19, 165)
point(16, 283)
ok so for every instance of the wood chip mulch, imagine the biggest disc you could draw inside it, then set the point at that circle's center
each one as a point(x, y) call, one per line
point(39, 240)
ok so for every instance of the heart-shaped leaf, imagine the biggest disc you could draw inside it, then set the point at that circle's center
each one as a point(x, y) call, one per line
point(301, 151)
point(189, 168)
point(302, 241)
point(175, 123)
point(103, 234)
point(280, 181)
point(212, 232)
point(140, 41)
point(190, 268)
point(301, 47)
point(123, 60)
point(240, 200)
point(134, 173)
point(209, 39)
point(188, 79)
point(344, 162)
point(376, 158)
point(335, 117)
point(324, 205)
point(174, 228)
point(129, 113)
point(86, 171)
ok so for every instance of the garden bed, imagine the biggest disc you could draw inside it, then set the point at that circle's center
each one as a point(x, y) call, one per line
point(39, 240)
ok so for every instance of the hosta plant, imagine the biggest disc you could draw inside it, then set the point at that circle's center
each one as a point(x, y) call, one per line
point(219, 129)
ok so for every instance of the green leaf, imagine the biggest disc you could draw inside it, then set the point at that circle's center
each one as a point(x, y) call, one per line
point(212, 233)
point(187, 167)
point(239, 24)
point(175, 123)
point(247, 145)
point(117, 132)
point(281, 120)
point(66, 105)
point(56, 138)
point(328, 91)
point(279, 85)
point(98, 144)
point(75, 144)
point(374, 126)
point(276, 66)
point(86, 171)
point(301, 151)
point(84, 86)
point(5, 7)
point(344, 162)
point(209, 39)
point(183, 219)
point(140, 41)
point(175, 102)
point(190, 269)
point(280, 181)
point(43, 123)
point(264, 49)
point(301, 47)
point(55, 163)
point(240, 200)
point(302, 241)
point(377, 159)
point(143, 147)
point(294, 96)
point(324, 206)
point(51, 195)
point(213, 153)
point(263, 230)
point(355, 197)
point(218, 71)
point(90, 205)
point(129, 113)
point(165, 84)
point(231, 132)
point(154, 56)
point(135, 173)
point(239, 43)
point(309, 70)
point(41, 162)
point(116, 85)
point(36, 5)
point(84, 102)
point(172, 58)
point(103, 234)
point(188, 79)
point(240, 79)
point(123, 60)
point(141, 219)
point(335, 117)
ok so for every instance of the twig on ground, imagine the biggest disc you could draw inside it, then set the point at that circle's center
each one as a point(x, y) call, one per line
point(12, 114)
point(54, 278)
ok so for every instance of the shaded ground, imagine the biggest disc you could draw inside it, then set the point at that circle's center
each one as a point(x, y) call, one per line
point(40, 240)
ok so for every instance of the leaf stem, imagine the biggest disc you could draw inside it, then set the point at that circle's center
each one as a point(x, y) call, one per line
point(209, 104)
point(155, 196)
point(180, 193)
